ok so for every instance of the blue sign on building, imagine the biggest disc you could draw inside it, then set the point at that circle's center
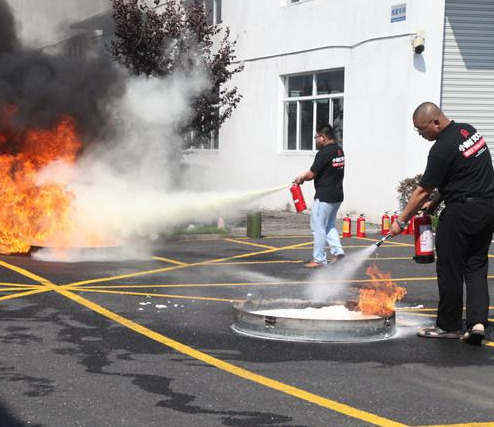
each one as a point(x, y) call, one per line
point(399, 12)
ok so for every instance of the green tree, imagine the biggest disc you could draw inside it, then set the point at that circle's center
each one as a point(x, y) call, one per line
point(178, 37)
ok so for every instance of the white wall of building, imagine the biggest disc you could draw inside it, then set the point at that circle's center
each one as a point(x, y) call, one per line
point(384, 82)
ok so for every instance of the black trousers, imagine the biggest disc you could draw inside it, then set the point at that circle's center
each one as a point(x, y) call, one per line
point(463, 237)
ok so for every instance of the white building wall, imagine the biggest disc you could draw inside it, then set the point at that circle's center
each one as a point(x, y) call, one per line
point(384, 82)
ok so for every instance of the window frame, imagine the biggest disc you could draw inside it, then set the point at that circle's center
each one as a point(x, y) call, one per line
point(298, 99)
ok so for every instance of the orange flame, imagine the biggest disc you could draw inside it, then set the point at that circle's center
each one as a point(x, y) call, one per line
point(31, 212)
point(380, 295)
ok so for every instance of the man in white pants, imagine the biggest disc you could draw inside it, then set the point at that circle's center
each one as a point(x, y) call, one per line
point(327, 171)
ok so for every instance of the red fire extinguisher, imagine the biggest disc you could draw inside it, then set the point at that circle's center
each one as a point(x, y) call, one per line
point(394, 217)
point(361, 226)
point(347, 226)
point(410, 228)
point(385, 224)
point(424, 241)
point(298, 198)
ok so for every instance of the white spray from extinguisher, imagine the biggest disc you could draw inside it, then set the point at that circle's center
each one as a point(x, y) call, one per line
point(118, 217)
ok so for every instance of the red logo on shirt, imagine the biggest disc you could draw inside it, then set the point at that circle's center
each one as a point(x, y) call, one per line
point(472, 145)
point(465, 133)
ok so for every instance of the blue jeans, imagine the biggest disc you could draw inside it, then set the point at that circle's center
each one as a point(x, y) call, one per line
point(322, 223)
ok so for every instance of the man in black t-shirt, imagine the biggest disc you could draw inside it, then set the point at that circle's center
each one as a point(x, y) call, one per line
point(459, 165)
point(327, 171)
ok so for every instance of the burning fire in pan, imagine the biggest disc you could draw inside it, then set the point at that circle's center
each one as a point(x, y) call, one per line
point(380, 294)
point(34, 212)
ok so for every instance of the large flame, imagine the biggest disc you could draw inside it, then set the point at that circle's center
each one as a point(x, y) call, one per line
point(380, 294)
point(31, 211)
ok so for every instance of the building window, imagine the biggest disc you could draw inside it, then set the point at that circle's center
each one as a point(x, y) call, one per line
point(310, 100)
point(213, 7)
point(194, 141)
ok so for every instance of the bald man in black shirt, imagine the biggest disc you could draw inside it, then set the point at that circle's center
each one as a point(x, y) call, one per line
point(459, 165)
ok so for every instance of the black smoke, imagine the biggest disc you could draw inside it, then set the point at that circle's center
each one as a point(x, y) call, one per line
point(8, 38)
point(44, 87)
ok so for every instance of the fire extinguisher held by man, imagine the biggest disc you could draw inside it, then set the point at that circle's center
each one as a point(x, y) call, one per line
point(327, 171)
point(459, 165)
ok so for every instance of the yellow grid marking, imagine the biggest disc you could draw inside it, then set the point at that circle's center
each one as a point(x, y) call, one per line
point(161, 270)
point(257, 245)
point(484, 424)
point(277, 283)
point(17, 289)
point(213, 361)
point(101, 291)
point(18, 285)
point(23, 294)
point(389, 242)
point(197, 285)
point(251, 376)
point(293, 236)
point(171, 261)
point(258, 262)
point(384, 245)
point(432, 315)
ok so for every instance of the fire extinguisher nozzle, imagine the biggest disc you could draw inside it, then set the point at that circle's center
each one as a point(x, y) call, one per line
point(380, 242)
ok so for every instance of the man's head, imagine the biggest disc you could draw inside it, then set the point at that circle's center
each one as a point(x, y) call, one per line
point(429, 120)
point(324, 135)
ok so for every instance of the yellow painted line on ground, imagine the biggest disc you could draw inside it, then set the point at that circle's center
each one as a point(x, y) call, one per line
point(235, 370)
point(258, 262)
point(161, 270)
point(213, 361)
point(171, 261)
point(26, 273)
point(300, 282)
point(257, 245)
point(16, 289)
point(150, 294)
point(288, 236)
point(412, 313)
point(484, 424)
point(195, 285)
point(18, 285)
point(23, 294)
point(388, 242)
point(384, 245)
point(46, 284)
point(218, 363)
point(419, 314)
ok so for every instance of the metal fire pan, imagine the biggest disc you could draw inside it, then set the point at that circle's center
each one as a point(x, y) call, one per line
point(315, 330)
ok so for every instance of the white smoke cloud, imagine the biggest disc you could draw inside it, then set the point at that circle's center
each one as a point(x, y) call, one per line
point(122, 188)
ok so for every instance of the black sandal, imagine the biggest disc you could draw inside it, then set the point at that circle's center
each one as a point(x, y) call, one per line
point(435, 332)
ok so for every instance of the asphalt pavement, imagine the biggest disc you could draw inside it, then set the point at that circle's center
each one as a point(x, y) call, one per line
point(148, 342)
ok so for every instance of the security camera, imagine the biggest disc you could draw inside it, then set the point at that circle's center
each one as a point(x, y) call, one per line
point(418, 42)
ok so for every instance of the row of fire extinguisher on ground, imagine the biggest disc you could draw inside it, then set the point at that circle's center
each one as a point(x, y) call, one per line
point(386, 222)
point(420, 226)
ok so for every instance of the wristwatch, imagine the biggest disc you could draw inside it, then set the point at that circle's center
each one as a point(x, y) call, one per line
point(402, 225)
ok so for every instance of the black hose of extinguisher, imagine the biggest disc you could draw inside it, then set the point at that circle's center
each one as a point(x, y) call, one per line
point(380, 242)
